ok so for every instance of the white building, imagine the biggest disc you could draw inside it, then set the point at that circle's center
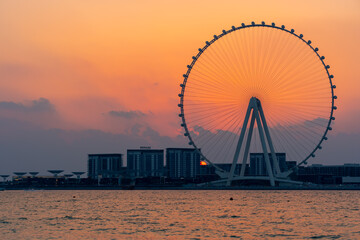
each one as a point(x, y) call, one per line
point(258, 165)
point(104, 165)
point(145, 162)
point(182, 162)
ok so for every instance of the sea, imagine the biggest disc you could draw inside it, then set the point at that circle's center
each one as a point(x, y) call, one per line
point(179, 214)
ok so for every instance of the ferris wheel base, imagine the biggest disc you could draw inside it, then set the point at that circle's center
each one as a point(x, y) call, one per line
point(223, 182)
point(255, 113)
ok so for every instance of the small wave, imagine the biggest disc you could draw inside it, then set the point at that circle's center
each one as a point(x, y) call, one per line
point(280, 235)
point(51, 218)
point(94, 219)
point(105, 229)
point(325, 236)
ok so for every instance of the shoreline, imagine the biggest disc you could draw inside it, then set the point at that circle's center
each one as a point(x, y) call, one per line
point(313, 187)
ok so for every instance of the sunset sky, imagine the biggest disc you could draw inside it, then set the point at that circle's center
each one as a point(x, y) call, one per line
point(79, 77)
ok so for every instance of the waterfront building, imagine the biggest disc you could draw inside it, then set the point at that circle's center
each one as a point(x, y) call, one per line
point(329, 174)
point(105, 165)
point(145, 162)
point(258, 165)
point(351, 180)
point(291, 164)
point(346, 170)
point(182, 163)
point(208, 172)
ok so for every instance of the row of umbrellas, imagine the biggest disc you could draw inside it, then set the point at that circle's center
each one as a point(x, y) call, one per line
point(55, 173)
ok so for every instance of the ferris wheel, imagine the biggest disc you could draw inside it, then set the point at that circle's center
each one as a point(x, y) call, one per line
point(257, 88)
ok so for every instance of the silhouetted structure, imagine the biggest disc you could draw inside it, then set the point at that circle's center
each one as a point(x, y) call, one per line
point(78, 174)
point(258, 165)
point(33, 174)
point(19, 174)
point(291, 164)
point(329, 174)
point(227, 167)
point(55, 173)
point(4, 177)
point(145, 162)
point(182, 162)
point(107, 165)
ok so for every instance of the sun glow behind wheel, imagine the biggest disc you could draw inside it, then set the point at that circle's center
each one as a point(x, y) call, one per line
point(272, 64)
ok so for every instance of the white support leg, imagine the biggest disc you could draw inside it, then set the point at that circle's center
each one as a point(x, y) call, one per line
point(271, 146)
point(257, 114)
point(238, 147)
point(248, 141)
point(262, 138)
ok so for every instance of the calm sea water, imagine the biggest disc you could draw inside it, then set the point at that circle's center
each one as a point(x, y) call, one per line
point(177, 214)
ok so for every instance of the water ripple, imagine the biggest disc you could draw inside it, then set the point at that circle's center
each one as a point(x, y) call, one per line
point(180, 214)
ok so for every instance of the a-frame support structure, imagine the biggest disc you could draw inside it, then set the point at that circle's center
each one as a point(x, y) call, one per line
point(257, 114)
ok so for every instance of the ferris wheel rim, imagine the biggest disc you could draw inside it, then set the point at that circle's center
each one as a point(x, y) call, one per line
point(243, 26)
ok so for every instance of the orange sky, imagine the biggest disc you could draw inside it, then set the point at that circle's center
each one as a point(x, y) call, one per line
point(92, 57)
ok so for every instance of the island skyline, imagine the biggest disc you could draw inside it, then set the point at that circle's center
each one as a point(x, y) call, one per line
point(72, 86)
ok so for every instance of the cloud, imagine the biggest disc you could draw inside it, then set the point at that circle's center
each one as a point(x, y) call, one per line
point(297, 140)
point(136, 129)
point(25, 146)
point(41, 105)
point(127, 114)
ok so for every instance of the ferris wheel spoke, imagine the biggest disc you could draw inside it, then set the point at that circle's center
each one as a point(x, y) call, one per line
point(203, 83)
point(224, 73)
point(300, 129)
point(278, 57)
point(238, 65)
point(268, 63)
point(300, 64)
point(215, 81)
point(292, 139)
point(208, 68)
point(242, 63)
point(215, 120)
point(315, 124)
point(214, 138)
point(305, 79)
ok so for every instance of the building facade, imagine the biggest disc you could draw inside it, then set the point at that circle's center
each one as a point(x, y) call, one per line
point(145, 162)
point(258, 165)
point(104, 165)
point(346, 170)
point(182, 163)
point(329, 174)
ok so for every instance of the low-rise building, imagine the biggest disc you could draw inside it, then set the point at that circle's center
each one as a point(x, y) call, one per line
point(145, 162)
point(328, 174)
point(105, 165)
point(182, 163)
point(258, 165)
